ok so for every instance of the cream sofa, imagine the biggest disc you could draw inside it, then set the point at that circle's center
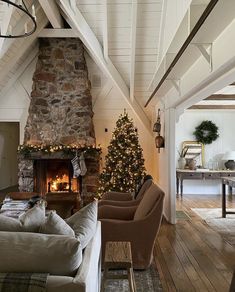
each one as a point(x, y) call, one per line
point(68, 251)
point(88, 276)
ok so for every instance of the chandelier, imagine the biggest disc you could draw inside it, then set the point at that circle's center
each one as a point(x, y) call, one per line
point(20, 5)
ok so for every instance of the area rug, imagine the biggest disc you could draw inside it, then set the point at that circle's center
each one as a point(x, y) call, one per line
point(224, 226)
point(146, 281)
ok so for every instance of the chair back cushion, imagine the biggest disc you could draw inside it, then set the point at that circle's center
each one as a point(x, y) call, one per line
point(147, 203)
point(144, 188)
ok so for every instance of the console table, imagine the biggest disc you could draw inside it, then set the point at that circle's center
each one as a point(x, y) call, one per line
point(230, 182)
point(182, 174)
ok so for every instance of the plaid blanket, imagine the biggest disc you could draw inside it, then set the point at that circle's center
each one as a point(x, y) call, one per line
point(23, 282)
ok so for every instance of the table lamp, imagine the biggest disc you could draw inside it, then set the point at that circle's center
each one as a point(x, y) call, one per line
point(230, 157)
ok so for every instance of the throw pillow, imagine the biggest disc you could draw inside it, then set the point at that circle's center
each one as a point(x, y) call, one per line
point(32, 219)
point(54, 224)
point(84, 223)
point(9, 224)
point(25, 252)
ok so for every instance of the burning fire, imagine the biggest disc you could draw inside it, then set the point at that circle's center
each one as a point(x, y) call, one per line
point(60, 183)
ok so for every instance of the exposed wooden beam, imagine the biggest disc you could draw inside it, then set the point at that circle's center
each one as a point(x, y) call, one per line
point(20, 71)
point(76, 20)
point(133, 47)
point(212, 107)
point(190, 37)
point(57, 33)
point(221, 97)
point(26, 44)
point(18, 29)
point(52, 12)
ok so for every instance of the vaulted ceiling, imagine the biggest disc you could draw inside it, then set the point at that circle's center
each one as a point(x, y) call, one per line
point(133, 42)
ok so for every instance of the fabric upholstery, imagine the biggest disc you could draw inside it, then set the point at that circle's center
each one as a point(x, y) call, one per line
point(144, 188)
point(117, 196)
point(146, 204)
point(84, 223)
point(126, 203)
point(10, 224)
point(54, 224)
point(32, 219)
point(39, 253)
point(141, 230)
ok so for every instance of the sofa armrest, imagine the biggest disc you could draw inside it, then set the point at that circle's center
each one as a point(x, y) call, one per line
point(117, 196)
point(89, 272)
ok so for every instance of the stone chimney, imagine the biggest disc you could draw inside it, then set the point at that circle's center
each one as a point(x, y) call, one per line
point(60, 110)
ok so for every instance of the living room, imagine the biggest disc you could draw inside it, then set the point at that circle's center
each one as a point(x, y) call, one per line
point(128, 47)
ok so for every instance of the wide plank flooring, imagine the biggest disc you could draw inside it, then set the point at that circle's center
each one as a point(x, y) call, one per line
point(191, 256)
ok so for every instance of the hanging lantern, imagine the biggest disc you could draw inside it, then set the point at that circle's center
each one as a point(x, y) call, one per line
point(159, 140)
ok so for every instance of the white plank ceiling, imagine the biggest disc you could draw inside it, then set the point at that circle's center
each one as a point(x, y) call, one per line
point(128, 32)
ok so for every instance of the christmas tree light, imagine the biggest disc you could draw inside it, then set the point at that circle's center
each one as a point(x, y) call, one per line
point(124, 163)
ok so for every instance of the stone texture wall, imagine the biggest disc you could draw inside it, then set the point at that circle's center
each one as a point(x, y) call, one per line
point(60, 111)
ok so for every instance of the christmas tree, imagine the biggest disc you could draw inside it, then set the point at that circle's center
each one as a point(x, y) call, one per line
point(124, 163)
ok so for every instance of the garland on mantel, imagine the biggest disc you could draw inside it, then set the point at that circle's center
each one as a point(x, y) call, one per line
point(49, 149)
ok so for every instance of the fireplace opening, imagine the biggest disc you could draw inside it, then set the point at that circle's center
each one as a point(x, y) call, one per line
point(55, 176)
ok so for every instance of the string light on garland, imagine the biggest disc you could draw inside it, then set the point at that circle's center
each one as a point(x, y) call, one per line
point(27, 150)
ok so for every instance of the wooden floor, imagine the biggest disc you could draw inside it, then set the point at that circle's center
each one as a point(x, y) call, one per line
point(190, 256)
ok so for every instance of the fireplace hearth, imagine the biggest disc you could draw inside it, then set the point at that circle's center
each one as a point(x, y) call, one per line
point(54, 175)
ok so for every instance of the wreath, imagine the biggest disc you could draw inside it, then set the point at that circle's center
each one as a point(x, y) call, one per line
point(206, 132)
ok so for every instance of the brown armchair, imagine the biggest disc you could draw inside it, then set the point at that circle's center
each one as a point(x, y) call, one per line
point(125, 199)
point(137, 224)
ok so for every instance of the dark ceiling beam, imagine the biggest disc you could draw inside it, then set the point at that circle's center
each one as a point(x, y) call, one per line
point(212, 107)
point(192, 34)
point(221, 97)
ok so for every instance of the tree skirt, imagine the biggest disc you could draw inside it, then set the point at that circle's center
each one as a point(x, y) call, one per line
point(146, 281)
point(224, 226)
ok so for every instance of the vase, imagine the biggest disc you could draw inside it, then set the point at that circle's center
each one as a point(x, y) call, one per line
point(181, 162)
point(192, 164)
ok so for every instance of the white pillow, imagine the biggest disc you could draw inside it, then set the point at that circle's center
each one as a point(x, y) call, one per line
point(84, 223)
point(25, 252)
point(32, 219)
point(54, 224)
point(9, 224)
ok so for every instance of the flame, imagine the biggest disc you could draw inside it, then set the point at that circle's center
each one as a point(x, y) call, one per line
point(60, 183)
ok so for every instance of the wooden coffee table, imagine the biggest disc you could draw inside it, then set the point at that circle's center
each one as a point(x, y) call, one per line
point(118, 256)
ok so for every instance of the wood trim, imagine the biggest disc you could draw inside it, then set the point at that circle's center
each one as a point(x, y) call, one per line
point(221, 97)
point(194, 31)
point(212, 107)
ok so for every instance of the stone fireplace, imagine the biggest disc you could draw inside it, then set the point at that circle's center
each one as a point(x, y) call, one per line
point(60, 118)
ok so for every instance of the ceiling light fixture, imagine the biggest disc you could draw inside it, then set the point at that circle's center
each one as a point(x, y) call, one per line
point(31, 23)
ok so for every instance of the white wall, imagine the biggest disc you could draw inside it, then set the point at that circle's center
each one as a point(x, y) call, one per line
point(9, 140)
point(224, 119)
